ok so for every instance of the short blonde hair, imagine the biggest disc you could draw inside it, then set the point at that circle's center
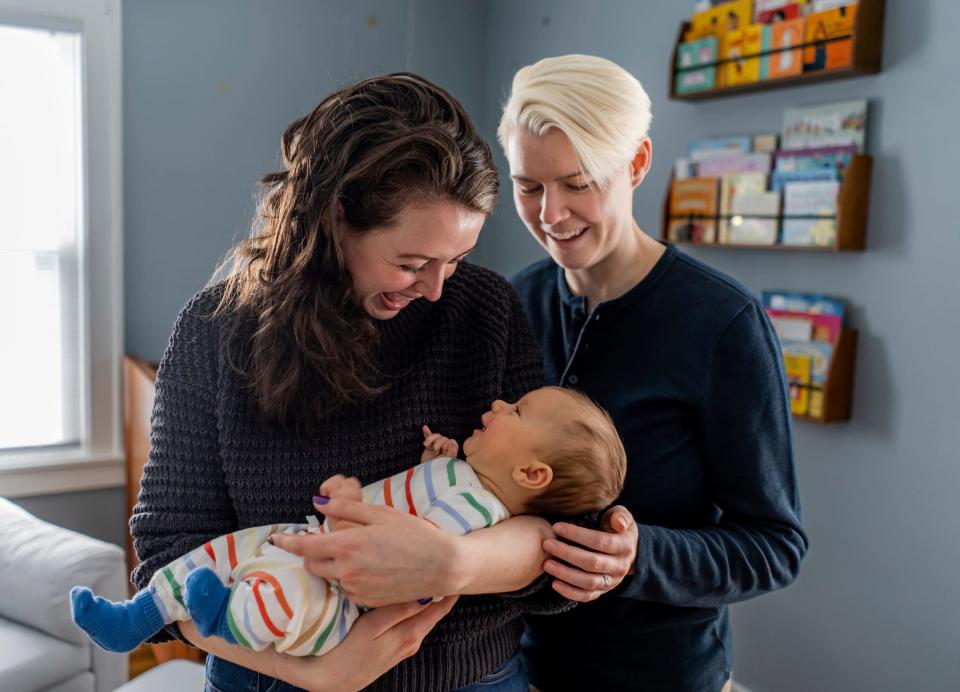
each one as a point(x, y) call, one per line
point(598, 105)
point(588, 461)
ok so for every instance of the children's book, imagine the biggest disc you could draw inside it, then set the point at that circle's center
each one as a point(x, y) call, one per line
point(714, 146)
point(743, 48)
point(766, 143)
point(696, 68)
point(733, 163)
point(794, 301)
point(693, 210)
point(819, 327)
point(754, 220)
point(826, 125)
point(768, 11)
point(802, 199)
point(818, 352)
point(777, 61)
point(720, 19)
point(798, 375)
point(822, 158)
point(829, 24)
point(732, 184)
point(781, 178)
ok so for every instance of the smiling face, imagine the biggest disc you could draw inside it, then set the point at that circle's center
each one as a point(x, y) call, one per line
point(412, 258)
point(575, 220)
point(512, 433)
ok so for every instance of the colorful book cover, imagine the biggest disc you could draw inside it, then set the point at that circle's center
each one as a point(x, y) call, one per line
point(822, 158)
point(829, 24)
point(696, 68)
point(733, 184)
point(733, 163)
point(818, 352)
point(713, 146)
point(794, 301)
point(798, 375)
point(743, 48)
point(766, 143)
point(693, 210)
point(779, 62)
point(826, 125)
point(781, 178)
point(824, 328)
point(720, 19)
point(777, 11)
point(818, 199)
point(751, 223)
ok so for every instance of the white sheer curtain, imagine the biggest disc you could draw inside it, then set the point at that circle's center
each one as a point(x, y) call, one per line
point(41, 232)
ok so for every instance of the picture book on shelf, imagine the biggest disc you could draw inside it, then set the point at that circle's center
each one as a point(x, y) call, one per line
point(777, 37)
point(769, 11)
point(806, 326)
point(829, 158)
point(690, 200)
point(765, 143)
point(781, 178)
point(714, 146)
point(696, 68)
point(732, 184)
point(742, 47)
point(829, 24)
point(795, 301)
point(733, 163)
point(751, 223)
point(798, 376)
point(826, 125)
point(818, 355)
point(803, 199)
point(720, 19)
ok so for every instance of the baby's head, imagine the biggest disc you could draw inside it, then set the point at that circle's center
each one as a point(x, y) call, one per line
point(552, 452)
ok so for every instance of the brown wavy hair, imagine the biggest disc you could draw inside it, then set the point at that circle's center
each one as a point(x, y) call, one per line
point(368, 151)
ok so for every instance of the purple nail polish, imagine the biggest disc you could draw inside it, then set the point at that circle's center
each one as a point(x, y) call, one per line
point(320, 500)
point(424, 601)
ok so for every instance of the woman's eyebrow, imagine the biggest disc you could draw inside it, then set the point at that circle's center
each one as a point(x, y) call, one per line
point(410, 255)
point(524, 179)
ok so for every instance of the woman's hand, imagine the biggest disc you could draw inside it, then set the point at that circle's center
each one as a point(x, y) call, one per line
point(390, 557)
point(611, 552)
point(377, 642)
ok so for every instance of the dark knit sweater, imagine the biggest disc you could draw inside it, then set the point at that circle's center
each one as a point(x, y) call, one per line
point(216, 465)
point(690, 370)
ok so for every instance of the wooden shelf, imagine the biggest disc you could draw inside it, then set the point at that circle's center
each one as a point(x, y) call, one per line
point(838, 386)
point(853, 202)
point(867, 58)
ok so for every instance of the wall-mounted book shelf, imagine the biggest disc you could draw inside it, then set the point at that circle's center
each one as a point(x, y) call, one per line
point(837, 388)
point(853, 202)
point(866, 47)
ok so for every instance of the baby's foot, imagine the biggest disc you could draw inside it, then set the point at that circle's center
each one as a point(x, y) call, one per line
point(115, 626)
point(207, 600)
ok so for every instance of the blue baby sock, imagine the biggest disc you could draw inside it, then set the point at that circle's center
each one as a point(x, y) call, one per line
point(115, 626)
point(207, 600)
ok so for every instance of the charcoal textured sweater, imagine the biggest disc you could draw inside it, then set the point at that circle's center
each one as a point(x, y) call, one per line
point(216, 465)
point(690, 370)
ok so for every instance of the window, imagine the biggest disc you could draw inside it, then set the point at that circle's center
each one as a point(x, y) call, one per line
point(60, 195)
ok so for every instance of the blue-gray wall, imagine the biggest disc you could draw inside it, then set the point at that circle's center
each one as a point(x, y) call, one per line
point(877, 605)
point(210, 85)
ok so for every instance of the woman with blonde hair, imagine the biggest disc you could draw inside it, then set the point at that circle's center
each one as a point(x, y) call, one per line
point(684, 359)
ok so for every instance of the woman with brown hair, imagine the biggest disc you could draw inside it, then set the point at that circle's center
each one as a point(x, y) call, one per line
point(317, 356)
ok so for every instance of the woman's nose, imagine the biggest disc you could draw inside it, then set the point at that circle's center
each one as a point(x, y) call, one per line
point(431, 285)
point(553, 208)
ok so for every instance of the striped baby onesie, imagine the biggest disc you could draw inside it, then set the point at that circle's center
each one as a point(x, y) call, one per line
point(274, 600)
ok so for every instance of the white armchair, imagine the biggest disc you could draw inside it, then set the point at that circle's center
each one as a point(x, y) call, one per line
point(42, 648)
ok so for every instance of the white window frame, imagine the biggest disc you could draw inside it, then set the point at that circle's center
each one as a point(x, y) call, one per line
point(98, 462)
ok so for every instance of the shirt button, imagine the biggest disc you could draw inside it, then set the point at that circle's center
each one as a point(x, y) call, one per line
point(572, 379)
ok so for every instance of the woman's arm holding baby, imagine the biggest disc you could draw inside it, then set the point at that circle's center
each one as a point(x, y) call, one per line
point(377, 642)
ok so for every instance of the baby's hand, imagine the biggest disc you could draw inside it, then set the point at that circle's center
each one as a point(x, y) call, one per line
point(342, 487)
point(437, 446)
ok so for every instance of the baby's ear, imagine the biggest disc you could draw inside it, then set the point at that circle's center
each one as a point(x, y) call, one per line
point(533, 475)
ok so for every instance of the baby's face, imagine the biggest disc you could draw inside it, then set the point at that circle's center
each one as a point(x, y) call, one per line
point(511, 430)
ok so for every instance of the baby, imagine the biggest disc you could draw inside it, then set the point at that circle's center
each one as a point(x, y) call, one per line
point(553, 452)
